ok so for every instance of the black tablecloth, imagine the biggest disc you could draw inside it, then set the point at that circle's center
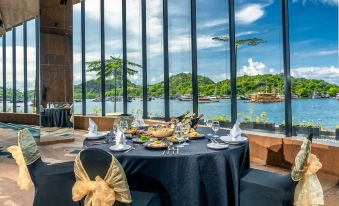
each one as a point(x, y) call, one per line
point(56, 117)
point(197, 176)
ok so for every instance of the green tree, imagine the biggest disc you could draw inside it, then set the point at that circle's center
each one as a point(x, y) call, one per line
point(113, 71)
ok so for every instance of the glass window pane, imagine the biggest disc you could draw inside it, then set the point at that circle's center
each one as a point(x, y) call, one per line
point(314, 68)
point(134, 56)
point(19, 70)
point(155, 59)
point(1, 76)
point(180, 61)
point(260, 80)
point(31, 66)
point(213, 61)
point(93, 52)
point(9, 72)
point(113, 55)
point(77, 69)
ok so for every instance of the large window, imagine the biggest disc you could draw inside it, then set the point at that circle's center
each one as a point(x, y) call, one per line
point(173, 40)
point(19, 45)
point(314, 68)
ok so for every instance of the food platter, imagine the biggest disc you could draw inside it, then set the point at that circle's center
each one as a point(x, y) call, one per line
point(157, 145)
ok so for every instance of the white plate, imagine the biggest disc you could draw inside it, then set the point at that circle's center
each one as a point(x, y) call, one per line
point(232, 140)
point(123, 148)
point(95, 136)
point(217, 146)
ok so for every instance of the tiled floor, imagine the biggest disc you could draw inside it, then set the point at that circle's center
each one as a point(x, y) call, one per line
point(11, 195)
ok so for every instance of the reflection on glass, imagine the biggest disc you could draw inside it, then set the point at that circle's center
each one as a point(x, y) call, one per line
point(19, 70)
point(180, 61)
point(213, 61)
point(155, 59)
point(9, 72)
point(260, 80)
point(77, 70)
point(1, 76)
point(314, 69)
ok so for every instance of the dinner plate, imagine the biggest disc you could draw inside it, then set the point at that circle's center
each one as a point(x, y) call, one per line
point(198, 137)
point(120, 149)
point(232, 140)
point(97, 135)
point(137, 140)
point(213, 145)
point(147, 146)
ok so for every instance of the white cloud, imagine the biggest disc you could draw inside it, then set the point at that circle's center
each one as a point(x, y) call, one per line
point(245, 33)
point(316, 53)
point(249, 13)
point(329, 2)
point(213, 23)
point(329, 74)
point(255, 68)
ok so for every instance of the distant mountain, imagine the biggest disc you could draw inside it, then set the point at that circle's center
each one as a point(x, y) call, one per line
point(181, 84)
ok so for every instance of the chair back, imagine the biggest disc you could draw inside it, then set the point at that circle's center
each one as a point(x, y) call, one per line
point(100, 177)
point(95, 162)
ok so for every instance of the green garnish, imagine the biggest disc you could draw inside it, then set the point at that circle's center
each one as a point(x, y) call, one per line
point(144, 138)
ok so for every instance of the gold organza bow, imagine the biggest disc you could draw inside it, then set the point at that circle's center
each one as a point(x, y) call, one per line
point(309, 192)
point(101, 192)
point(24, 180)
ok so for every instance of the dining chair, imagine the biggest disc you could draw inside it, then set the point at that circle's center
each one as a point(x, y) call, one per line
point(258, 187)
point(97, 162)
point(52, 182)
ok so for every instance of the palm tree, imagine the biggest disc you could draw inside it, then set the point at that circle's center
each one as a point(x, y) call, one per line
point(113, 70)
point(250, 42)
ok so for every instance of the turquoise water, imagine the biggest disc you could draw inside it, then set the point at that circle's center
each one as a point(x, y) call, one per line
point(316, 111)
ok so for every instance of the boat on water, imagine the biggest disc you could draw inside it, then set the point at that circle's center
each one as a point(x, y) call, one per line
point(185, 98)
point(245, 97)
point(266, 98)
point(337, 97)
point(98, 99)
point(223, 96)
point(207, 99)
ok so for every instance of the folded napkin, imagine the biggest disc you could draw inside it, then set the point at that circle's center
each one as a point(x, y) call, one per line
point(120, 139)
point(235, 131)
point(93, 127)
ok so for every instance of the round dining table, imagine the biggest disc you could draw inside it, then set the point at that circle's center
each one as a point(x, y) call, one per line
point(197, 176)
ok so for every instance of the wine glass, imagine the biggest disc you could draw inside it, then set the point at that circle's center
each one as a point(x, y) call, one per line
point(215, 128)
point(186, 130)
point(179, 135)
point(209, 125)
point(123, 126)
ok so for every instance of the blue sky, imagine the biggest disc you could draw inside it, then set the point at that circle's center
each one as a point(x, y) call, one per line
point(313, 34)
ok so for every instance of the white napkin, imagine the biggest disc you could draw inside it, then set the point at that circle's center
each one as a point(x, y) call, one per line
point(120, 139)
point(93, 127)
point(235, 131)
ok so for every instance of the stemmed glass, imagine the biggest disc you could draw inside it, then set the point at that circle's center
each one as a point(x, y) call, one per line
point(215, 128)
point(186, 130)
point(209, 124)
point(123, 126)
point(179, 135)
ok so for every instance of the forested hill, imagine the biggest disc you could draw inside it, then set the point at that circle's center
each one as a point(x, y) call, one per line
point(180, 84)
